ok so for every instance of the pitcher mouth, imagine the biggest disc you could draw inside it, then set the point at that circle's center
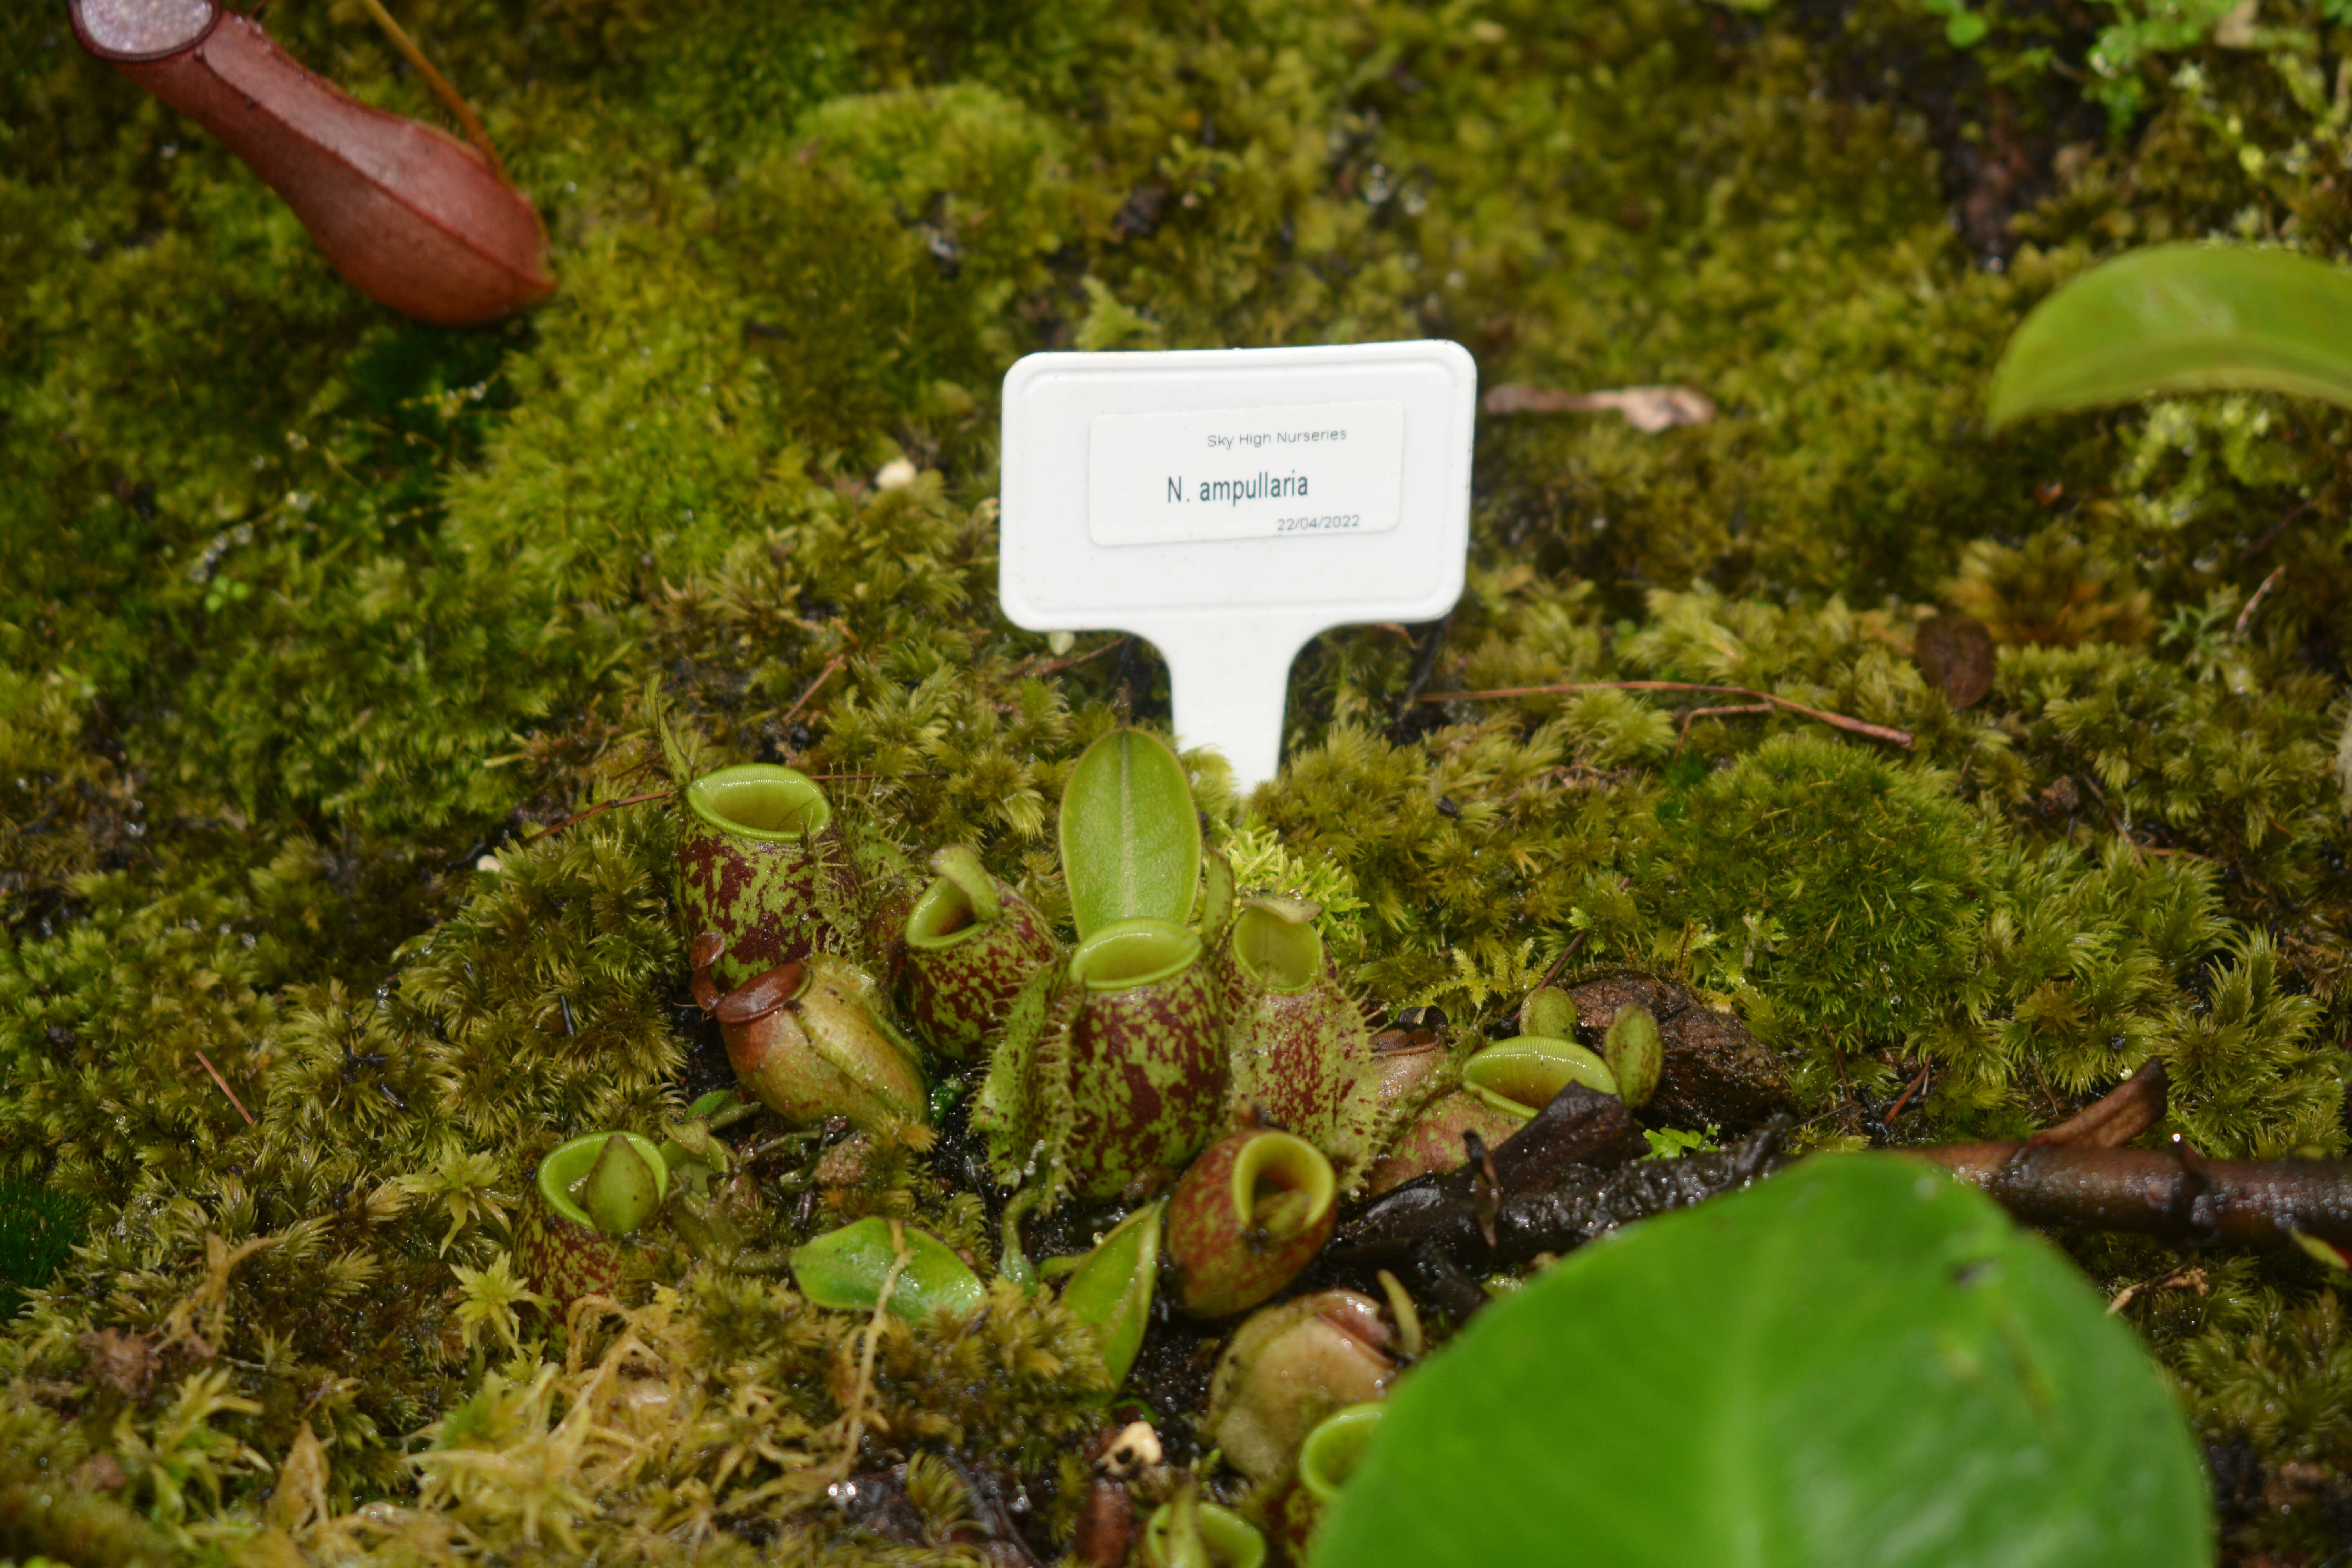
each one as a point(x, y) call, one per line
point(1128, 954)
point(761, 800)
point(959, 903)
point(1280, 953)
point(131, 31)
point(1273, 1163)
point(1333, 1449)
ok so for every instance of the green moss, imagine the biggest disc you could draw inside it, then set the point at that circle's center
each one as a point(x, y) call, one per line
point(37, 1229)
point(308, 610)
point(1780, 872)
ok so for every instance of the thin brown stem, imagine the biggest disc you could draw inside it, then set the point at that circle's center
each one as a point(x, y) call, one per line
point(2269, 536)
point(596, 810)
point(1904, 1098)
point(854, 1419)
point(451, 98)
point(833, 668)
point(1570, 951)
point(1839, 720)
point(2181, 1277)
point(224, 1089)
point(1561, 962)
point(1076, 660)
point(2246, 616)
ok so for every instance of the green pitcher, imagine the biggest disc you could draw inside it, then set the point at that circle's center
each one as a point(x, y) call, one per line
point(762, 863)
point(1296, 1047)
point(1146, 1054)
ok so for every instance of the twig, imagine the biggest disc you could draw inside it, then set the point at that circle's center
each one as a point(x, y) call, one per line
point(1076, 660)
point(593, 810)
point(449, 96)
point(1576, 1170)
point(2177, 1196)
point(2271, 537)
point(828, 673)
point(1570, 951)
point(1839, 720)
point(1561, 962)
point(2183, 1277)
point(2246, 616)
point(1425, 665)
point(1904, 1098)
point(224, 1089)
point(856, 1416)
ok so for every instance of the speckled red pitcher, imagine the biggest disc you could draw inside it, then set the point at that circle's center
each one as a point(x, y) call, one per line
point(762, 863)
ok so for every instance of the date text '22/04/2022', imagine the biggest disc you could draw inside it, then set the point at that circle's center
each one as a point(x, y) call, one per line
point(1244, 472)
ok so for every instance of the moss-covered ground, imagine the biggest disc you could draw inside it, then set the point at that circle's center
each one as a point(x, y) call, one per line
point(311, 617)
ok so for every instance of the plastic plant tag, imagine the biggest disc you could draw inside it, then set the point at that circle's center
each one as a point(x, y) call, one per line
point(1228, 504)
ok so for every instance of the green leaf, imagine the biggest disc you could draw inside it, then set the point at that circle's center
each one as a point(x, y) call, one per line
point(2181, 318)
point(1111, 1290)
point(1130, 837)
point(846, 1268)
point(1859, 1361)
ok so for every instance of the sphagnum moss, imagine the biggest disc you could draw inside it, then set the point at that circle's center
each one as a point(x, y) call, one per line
point(313, 617)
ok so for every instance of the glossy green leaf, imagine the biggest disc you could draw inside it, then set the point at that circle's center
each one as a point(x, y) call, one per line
point(846, 1268)
point(1130, 837)
point(1859, 1361)
point(2181, 318)
point(1111, 1290)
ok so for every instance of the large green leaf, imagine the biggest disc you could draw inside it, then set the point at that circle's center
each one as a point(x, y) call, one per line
point(1130, 837)
point(1860, 1362)
point(2181, 318)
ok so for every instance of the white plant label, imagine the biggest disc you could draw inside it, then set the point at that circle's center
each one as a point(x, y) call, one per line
point(1228, 504)
point(1246, 473)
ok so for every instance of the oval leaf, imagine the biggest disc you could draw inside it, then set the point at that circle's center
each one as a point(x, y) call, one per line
point(2181, 318)
point(1130, 838)
point(1859, 1361)
point(846, 1268)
